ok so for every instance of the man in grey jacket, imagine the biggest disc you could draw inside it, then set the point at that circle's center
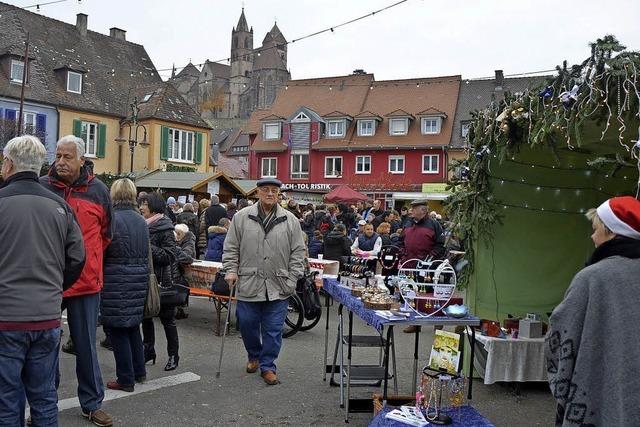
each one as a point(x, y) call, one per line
point(42, 254)
point(263, 256)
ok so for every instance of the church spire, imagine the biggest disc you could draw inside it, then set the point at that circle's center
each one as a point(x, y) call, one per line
point(242, 23)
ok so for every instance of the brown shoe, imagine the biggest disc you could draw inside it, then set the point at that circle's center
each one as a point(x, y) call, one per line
point(252, 366)
point(270, 378)
point(98, 417)
point(411, 329)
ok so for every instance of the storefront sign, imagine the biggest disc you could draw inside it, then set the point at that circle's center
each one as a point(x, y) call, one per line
point(306, 187)
point(435, 188)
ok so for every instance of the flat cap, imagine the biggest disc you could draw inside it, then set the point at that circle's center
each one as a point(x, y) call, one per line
point(418, 202)
point(269, 181)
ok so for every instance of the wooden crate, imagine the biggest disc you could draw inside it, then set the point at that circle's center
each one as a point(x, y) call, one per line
point(201, 274)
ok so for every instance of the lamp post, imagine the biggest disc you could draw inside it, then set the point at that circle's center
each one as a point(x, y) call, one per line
point(134, 128)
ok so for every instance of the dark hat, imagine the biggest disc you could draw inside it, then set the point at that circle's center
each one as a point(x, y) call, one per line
point(269, 181)
point(419, 202)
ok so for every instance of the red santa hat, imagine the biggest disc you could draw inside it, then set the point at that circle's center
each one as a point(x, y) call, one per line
point(621, 215)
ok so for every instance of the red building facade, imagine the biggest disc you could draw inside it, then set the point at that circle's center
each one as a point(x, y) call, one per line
point(385, 139)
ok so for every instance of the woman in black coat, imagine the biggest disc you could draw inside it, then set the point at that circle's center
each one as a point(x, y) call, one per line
point(126, 278)
point(165, 266)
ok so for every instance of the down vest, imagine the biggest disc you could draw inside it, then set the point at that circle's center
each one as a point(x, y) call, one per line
point(126, 270)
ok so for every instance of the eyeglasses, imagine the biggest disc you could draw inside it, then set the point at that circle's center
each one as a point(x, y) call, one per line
point(268, 190)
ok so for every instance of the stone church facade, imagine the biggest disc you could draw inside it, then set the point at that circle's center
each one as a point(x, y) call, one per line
point(225, 95)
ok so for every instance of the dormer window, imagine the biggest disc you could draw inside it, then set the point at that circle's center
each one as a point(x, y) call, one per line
point(366, 127)
point(74, 82)
point(271, 131)
point(336, 128)
point(17, 71)
point(398, 126)
point(431, 125)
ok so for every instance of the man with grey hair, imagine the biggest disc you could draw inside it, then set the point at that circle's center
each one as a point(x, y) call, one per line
point(71, 177)
point(47, 236)
point(214, 212)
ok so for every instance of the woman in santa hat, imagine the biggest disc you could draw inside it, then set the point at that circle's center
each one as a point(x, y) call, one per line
point(592, 351)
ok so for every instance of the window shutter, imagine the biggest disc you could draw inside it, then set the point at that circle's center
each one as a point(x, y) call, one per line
point(198, 153)
point(10, 114)
point(102, 141)
point(77, 128)
point(164, 143)
point(41, 127)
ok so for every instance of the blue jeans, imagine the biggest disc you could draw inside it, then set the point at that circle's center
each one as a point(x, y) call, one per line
point(28, 364)
point(82, 316)
point(129, 354)
point(261, 326)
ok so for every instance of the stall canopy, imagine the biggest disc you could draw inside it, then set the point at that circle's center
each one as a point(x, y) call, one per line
point(344, 194)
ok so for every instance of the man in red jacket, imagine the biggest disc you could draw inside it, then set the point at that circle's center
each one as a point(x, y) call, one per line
point(71, 177)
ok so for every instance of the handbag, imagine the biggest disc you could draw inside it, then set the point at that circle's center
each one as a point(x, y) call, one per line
point(219, 285)
point(310, 296)
point(152, 301)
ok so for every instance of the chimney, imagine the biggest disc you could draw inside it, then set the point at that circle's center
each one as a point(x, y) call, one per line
point(81, 23)
point(117, 33)
point(499, 79)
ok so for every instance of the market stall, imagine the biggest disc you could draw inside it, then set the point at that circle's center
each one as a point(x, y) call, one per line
point(536, 163)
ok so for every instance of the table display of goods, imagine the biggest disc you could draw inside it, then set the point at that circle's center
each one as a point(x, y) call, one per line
point(426, 286)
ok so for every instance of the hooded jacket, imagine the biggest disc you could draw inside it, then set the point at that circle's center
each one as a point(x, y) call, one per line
point(165, 255)
point(89, 199)
point(215, 243)
point(336, 245)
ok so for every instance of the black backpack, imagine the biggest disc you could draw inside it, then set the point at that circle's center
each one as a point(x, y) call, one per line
point(310, 296)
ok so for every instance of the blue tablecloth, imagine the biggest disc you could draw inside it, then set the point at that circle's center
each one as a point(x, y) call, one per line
point(343, 296)
point(466, 416)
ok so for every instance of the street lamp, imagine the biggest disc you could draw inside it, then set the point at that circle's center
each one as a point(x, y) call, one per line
point(134, 128)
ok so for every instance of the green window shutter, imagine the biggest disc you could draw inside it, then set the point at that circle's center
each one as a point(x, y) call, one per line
point(102, 141)
point(198, 153)
point(77, 128)
point(164, 143)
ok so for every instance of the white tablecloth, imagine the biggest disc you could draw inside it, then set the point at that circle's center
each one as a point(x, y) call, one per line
point(519, 359)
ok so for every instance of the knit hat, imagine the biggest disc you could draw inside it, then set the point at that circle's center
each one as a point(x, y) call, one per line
point(171, 200)
point(621, 215)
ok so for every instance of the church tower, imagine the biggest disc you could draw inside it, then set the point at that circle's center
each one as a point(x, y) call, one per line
point(241, 62)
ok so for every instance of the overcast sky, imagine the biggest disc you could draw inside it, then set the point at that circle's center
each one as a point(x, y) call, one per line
point(419, 38)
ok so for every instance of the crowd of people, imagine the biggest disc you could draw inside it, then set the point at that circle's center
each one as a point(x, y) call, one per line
point(96, 248)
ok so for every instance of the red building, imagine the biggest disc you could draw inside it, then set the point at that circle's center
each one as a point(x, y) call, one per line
point(383, 138)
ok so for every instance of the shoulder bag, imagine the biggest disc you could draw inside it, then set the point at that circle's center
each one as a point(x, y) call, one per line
point(152, 302)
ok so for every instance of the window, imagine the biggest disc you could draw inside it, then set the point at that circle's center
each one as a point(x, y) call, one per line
point(271, 131)
point(366, 127)
point(29, 123)
point(431, 163)
point(89, 133)
point(17, 70)
point(74, 82)
point(336, 128)
point(269, 165)
point(464, 130)
point(363, 164)
point(396, 164)
point(398, 126)
point(333, 167)
point(431, 125)
point(181, 145)
point(299, 166)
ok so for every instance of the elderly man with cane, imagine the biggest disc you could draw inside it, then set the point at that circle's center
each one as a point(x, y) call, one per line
point(263, 258)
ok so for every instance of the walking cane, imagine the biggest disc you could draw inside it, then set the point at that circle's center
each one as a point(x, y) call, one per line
point(226, 326)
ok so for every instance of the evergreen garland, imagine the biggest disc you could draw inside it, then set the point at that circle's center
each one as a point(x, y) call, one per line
point(604, 88)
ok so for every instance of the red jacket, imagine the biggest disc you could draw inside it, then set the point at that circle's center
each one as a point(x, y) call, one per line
point(89, 198)
point(422, 239)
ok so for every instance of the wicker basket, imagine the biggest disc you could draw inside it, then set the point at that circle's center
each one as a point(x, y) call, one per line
point(199, 276)
point(391, 401)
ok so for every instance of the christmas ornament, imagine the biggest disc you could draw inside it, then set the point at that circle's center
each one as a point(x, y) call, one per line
point(568, 98)
point(546, 92)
